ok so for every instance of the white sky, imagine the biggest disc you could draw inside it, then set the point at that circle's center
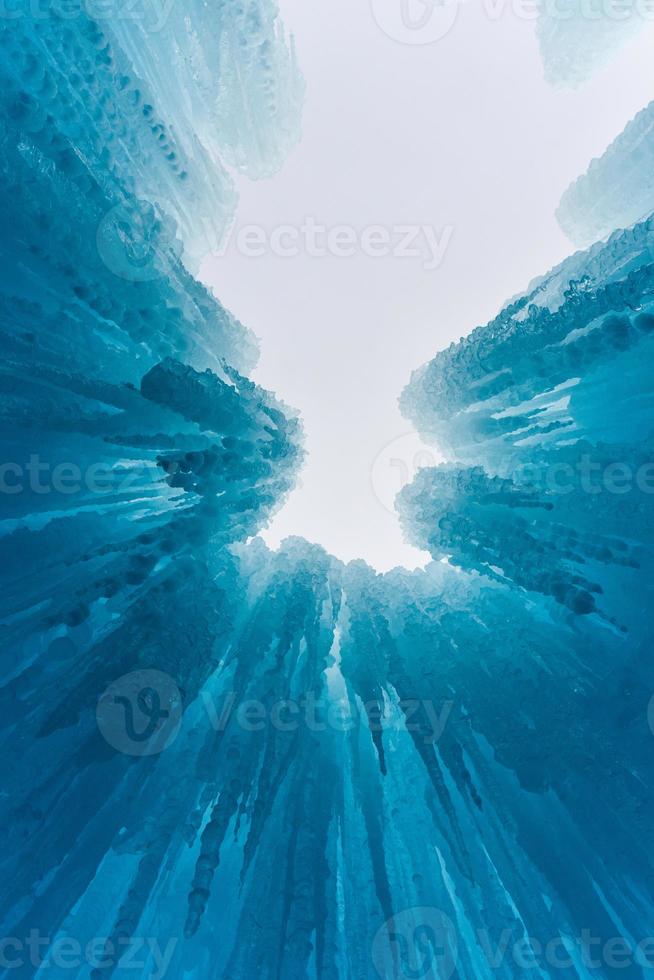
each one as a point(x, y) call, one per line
point(462, 132)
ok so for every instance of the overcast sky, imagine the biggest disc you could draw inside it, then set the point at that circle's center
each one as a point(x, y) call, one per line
point(461, 137)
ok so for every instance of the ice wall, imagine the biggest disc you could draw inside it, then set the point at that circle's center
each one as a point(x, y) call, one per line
point(123, 409)
point(134, 445)
point(545, 416)
point(549, 409)
point(360, 758)
point(156, 101)
point(617, 190)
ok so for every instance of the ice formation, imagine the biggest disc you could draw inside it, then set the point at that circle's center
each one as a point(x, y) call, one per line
point(577, 37)
point(549, 408)
point(156, 102)
point(226, 762)
point(618, 188)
